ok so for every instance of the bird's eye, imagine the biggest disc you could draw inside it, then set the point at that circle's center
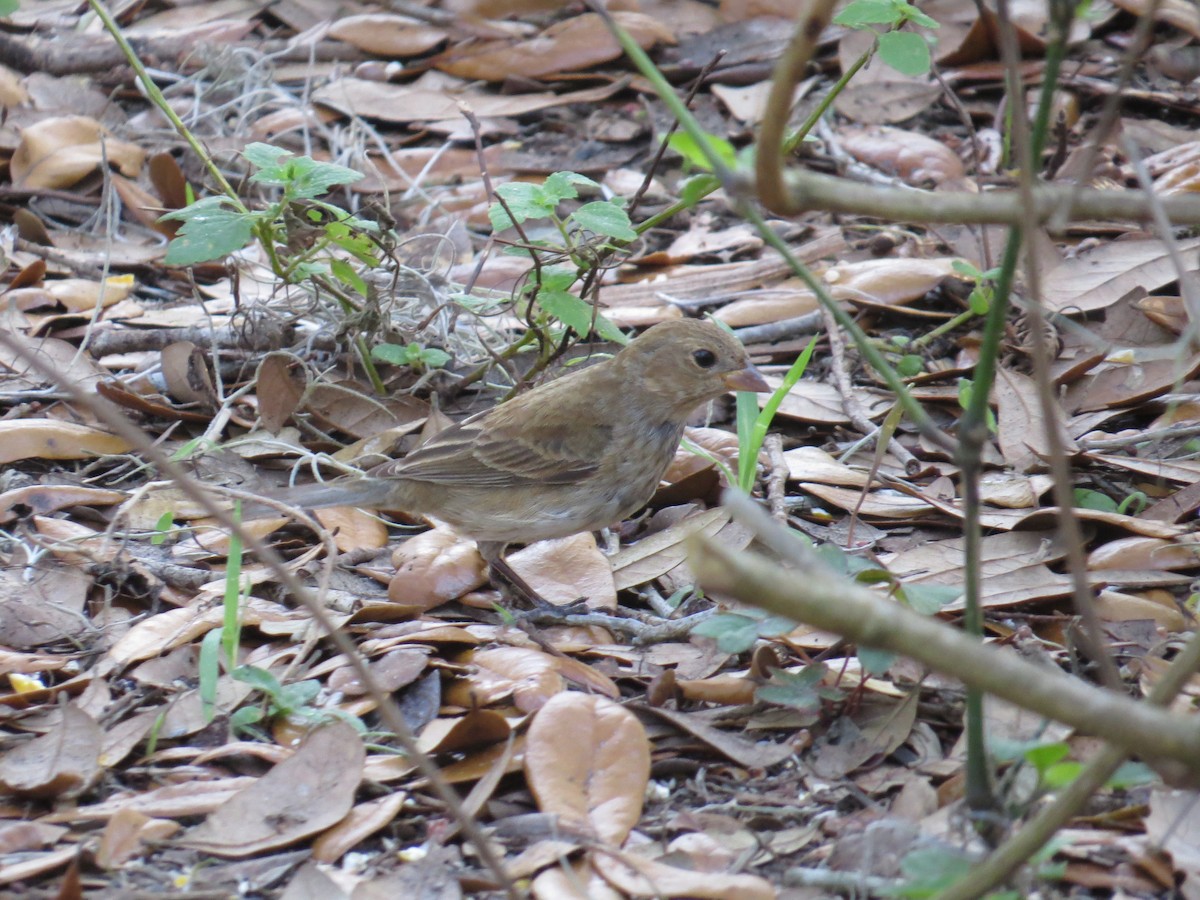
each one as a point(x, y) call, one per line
point(705, 359)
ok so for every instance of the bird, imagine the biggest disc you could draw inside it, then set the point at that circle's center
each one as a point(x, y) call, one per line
point(578, 453)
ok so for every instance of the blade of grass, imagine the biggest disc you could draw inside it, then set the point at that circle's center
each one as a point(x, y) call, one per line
point(752, 424)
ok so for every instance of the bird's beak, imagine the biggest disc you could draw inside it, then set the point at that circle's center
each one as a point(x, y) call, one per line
point(747, 379)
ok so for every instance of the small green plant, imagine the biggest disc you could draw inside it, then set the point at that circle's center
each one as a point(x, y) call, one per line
point(905, 51)
point(213, 227)
point(413, 354)
point(802, 691)
point(966, 388)
point(1086, 498)
point(583, 237)
point(737, 632)
point(283, 700)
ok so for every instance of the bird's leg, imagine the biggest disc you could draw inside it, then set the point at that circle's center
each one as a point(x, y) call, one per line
point(512, 586)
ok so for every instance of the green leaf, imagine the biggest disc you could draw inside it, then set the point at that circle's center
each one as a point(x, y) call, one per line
point(561, 186)
point(1089, 499)
point(928, 599)
point(1043, 756)
point(966, 269)
point(929, 870)
point(734, 633)
point(163, 528)
point(605, 218)
point(302, 177)
point(980, 300)
point(8, 7)
point(1060, 775)
point(906, 52)
point(874, 661)
point(681, 142)
point(1132, 774)
point(348, 275)
point(434, 357)
point(696, 188)
point(914, 15)
point(209, 670)
point(525, 201)
point(868, 12)
point(910, 365)
point(209, 231)
point(396, 354)
point(259, 678)
point(264, 156)
point(568, 309)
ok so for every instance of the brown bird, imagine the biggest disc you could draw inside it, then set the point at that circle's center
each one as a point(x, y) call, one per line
point(578, 453)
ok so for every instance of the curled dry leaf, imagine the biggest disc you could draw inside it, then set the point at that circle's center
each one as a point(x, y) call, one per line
point(1147, 553)
point(917, 159)
point(85, 295)
point(529, 676)
point(595, 780)
point(278, 392)
point(435, 567)
point(362, 822)
point(128, 834)
point(58, 152)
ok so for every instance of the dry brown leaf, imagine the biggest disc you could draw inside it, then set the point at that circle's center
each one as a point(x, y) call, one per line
point(83, 295)
point(1146, 553)
point(130, 833)
point(58, 152)
point(1169, 312)
point(579, 42)
point(595, 781)
point(913, 157)
point(63, 762)
point(1173, 825)
point(888, 282)
point(435, 567)
point(278, 391)
point(1118, 606)
point(1022, 427)
point(1127, 383)
point(478, 728)
point(879, 94)
point(303, 795)
point(52, 439)
point(569, 880)
point(350, 408)
point(637, 876)
point(387, 34)
point(63, 358)
point(658, 553)
point(1101, 276)
point(742, 750)
point(565, 570)
point(192, 798)
point(42, 499)
point(410, 103)
point(359, 824)
point(529, 676)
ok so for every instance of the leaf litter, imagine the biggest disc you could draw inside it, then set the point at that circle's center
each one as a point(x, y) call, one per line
point(587, 753)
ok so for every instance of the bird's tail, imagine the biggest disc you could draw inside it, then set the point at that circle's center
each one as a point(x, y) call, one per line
point(343, 492)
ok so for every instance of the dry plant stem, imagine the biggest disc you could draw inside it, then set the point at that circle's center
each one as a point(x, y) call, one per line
point(110, 415)
point(787, 74)
point(806, 191)
point(1182, 430)
point(853, 409)
point(1143, 31)
point(837, 604)
point(1013, 853)
point(777, 479)
point(1060, 468)
point(157, 98)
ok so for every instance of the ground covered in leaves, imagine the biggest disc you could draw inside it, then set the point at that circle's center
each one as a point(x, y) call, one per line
point(612, 750)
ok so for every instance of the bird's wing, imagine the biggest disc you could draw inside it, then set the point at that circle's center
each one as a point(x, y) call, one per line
point(509, 446)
